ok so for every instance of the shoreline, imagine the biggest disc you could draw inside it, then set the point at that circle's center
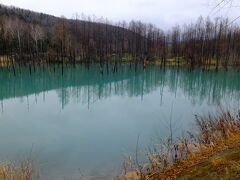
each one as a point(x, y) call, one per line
point(215, 151)
point(9, 63)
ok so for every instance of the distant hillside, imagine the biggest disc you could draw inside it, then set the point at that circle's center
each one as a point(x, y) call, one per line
point(45, 20)
point(27, 36)
point(27, 15)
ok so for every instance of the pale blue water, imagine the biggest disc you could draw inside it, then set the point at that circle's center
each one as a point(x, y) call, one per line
point(84, 122)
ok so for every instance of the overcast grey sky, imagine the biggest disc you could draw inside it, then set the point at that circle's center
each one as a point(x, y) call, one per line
point(163, 13)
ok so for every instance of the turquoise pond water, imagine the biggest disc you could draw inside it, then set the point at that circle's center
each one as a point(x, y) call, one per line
point(85, 121)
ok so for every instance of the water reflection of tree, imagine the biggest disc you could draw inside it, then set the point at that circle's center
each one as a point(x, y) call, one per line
point(87, 85)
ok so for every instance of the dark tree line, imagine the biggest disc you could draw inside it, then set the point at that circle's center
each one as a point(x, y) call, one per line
point(207, 43)
point(58, 39)
point(27, 36)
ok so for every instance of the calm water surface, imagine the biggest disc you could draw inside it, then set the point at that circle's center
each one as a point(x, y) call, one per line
point(84, 122)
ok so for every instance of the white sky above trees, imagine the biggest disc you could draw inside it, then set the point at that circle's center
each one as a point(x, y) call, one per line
point(163, 13)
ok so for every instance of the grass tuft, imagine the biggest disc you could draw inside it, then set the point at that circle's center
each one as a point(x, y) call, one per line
point(11, 171)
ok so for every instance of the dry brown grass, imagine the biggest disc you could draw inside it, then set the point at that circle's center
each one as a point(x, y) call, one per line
point(4, 61)
point(217, 133)
point(11, 171)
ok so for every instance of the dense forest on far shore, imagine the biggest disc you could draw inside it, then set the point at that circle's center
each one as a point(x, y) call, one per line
point(27, 36)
